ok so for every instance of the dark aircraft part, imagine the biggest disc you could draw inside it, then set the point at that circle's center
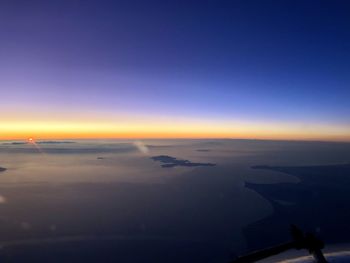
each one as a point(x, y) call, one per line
point(299, 241)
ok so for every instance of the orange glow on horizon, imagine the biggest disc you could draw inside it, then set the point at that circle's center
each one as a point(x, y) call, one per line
point(167, 130)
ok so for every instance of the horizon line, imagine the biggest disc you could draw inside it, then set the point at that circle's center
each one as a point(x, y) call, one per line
point(176, 138)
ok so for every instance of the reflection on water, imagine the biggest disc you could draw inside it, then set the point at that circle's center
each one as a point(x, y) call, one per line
point(111, 199)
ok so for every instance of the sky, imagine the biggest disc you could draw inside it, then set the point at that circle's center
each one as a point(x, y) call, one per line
point(175, 69)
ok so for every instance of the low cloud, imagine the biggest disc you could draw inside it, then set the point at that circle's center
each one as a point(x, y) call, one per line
point(141, 147)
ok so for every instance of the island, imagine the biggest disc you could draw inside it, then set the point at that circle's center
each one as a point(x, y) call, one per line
point(169, 162)
point(318, 203)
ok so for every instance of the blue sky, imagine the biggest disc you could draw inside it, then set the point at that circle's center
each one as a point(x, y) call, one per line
point(259, 61)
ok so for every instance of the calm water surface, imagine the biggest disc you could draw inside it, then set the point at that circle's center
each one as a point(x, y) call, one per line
point(93, 201)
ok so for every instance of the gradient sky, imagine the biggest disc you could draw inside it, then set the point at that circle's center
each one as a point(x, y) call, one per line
point(233, 69)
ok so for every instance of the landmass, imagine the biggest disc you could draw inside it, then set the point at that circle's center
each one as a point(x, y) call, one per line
point(2, 169)
point(14, 143)
point(39, 142)
point(319, 202)
point(55, 142)
point(169, 162)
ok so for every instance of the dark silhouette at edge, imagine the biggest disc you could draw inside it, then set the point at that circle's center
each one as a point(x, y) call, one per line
point(299, 241)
